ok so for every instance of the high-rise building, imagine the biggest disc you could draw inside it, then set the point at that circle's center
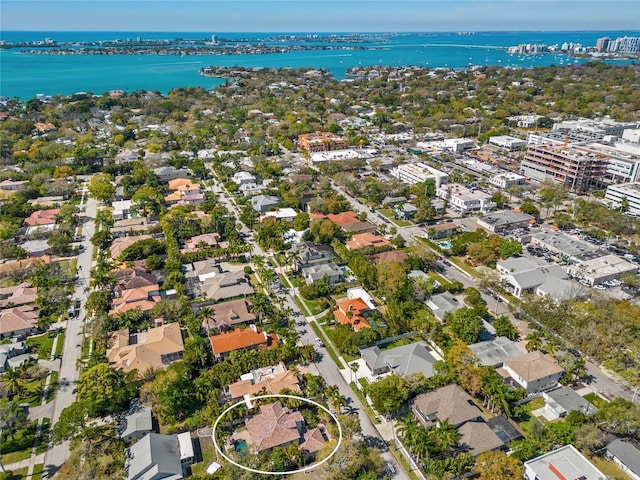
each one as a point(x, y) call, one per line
point(629, 44)
point(578, 168)
point(602, 44)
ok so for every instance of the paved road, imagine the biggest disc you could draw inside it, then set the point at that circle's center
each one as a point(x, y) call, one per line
point(72, 350)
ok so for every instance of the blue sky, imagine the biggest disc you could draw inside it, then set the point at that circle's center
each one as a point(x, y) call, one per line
point(318, 16)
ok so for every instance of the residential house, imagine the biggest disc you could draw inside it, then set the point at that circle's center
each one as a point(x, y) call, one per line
point(12, 185)
point(453, 404)
point(286, 214)
point(130, 226)
point(465, 199)
point(225, 316)
point(128, 278)
point(207, 240)
point(207, 278)
point(36, 248)
point(263, 203)
point(241, 338)
point(126, 156)
point(185, 185)
point(563, 463)
point(156, 456)
point(42, 217)
point(350, 223)
point(167, 173)
point(393, 200)
point(119, 245)
point(13, 355)
point(534, 371)
point(353, 311)
point(277, 426)
point(136, 425)
point(392, 256)
point(560, 401)
point(264, 381)
point(314, 273)
point(403, 360)
point(363, 240)
point(18, 295)
point(441, 230)
point(155, 348)
point(143, 298)
point(626, 456)
point(121, 209)
point(443, 303)
point(240, 178)
point(18, 321)
point(250, 189)
point(493, 353)
point(406, 211)
point(309, 254)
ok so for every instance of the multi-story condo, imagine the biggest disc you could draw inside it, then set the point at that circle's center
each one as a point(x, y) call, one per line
point(602, 44)
point(465, 199)
point(630, 191)
point(603, 126)
point(321, 142)
point(578, 168)
point(413, 173)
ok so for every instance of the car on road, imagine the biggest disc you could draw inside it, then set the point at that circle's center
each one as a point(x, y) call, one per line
point(319, 342)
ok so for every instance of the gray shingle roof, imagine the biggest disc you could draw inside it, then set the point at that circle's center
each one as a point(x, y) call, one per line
point(137, 422)
point(626, 453)
point(495, 352)
point(154, 456)
point(402, 360)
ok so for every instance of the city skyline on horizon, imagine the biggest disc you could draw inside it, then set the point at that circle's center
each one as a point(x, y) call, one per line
point(312, 16)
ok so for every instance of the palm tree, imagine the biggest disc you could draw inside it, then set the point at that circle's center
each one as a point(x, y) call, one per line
point(267, 277)
point(534, 341)
point(13, 382)
point(409, 431)
point(444, 435)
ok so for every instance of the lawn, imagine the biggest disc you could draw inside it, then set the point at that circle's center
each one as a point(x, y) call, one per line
point(37, 471)
point(60, 344)
point(527, 420)
point(20, 474)
point(387, 212)
point(321, 334)
point(19, 447)
point(43, 443)
point(316, 306)
point(208, 457)
point(610, 469)
point(596, 400)
point(42, 344)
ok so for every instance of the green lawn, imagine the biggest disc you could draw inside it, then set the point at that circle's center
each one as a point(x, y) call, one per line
point(320, 333)
point(387, 212)
point(372, 415)
point(20, 474)
point(44, 437)
point(60, 344)
point(42, 344)
point(596, 400)
point(19, 447)
point(609, 468)
point(316, 306)
point(37, 471)
point(208, 457)
point(527, 420)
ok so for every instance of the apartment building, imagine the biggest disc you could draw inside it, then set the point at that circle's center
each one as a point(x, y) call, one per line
point(413, 173)
point(321, 142)
point(578, 168)
point(465, 199)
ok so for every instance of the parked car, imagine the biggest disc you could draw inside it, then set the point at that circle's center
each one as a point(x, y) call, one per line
point(319, 342)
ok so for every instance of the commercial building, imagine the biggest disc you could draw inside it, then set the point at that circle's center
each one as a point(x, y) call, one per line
point(504, 220)
point(564, 462)
point(571, 138)
point(564, 246)
point(508, 142)
point(505, 180)
point(629, 191)
point(459, 145)
point(596, 271)
point(602, 126)
point(464, 199)
point(321, 142)
point(577, 168)
point(413, 173)
point(520, 275)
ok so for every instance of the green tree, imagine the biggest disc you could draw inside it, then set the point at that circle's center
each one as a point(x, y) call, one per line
point(389, 394)
point(497, 465)
point(13, 417)
point(465, 324)
point(504, 327)
point(301, 222)
point(147, 200)
point(101, 187)
point(106, 389)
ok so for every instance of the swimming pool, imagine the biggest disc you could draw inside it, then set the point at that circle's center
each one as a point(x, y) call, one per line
point(240, 445)
point(446, 245)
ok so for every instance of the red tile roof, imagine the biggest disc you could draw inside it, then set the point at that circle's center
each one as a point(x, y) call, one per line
point(241, 338)
point(356, 306)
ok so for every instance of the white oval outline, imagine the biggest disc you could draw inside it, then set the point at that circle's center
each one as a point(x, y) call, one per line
point(288, 472)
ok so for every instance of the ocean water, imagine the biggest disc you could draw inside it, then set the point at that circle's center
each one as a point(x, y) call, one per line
point(26, 75)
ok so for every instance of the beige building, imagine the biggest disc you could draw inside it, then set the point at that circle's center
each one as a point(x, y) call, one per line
point(156, 348)
point(534, 371)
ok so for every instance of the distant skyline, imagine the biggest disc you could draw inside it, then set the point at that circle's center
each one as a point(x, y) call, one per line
point(217, 16)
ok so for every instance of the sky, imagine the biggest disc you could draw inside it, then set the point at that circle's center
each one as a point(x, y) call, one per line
point(318, 16)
